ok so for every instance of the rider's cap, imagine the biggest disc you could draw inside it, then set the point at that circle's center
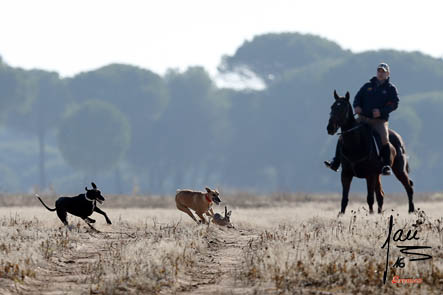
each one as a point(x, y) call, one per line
point(383, 66)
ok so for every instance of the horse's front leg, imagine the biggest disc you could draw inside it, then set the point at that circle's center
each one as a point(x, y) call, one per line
point(346, 180)
point(379, 193)
point(371, 182)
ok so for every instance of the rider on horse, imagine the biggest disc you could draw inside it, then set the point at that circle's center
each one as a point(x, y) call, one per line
point(373, 103)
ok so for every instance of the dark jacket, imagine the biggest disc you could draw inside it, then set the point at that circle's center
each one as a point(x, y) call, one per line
point(375, 96)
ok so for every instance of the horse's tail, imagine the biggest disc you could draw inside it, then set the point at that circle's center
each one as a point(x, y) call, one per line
point(45, 204)
point(411, 183)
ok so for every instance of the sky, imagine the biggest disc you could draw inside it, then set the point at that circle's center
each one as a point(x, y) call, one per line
point(74, 36)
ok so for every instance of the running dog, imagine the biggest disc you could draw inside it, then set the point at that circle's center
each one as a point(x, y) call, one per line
point(82, 206)
point(200, 202)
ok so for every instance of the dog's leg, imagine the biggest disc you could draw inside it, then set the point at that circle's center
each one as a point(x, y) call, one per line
point(63, 216)
point(90, 220)
point(87, 222)
point(201, 217)
point(96, 209)
point(187, 211)
point(212, 212)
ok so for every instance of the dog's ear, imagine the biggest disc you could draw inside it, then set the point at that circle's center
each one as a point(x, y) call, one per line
point(208, 189)
point(93, 185)
point(86, 188)
point(347, 95)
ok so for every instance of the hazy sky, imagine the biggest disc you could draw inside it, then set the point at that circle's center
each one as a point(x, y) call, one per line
point(74, 36)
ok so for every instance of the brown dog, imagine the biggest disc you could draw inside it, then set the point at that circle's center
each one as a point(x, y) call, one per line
point(200, 202)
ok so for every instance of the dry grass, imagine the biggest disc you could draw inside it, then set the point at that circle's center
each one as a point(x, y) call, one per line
point(238, 199)
point(131, 256)
point(343, 255)
point(285, 244)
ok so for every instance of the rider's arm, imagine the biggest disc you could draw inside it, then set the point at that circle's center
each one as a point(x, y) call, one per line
point(392, 102)
point(358, 97)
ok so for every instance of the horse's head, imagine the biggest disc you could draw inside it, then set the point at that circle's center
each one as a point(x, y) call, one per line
point(341, 111)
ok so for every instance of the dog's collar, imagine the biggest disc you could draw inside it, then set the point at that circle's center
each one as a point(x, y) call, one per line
point(90, 200)
point(208, 199)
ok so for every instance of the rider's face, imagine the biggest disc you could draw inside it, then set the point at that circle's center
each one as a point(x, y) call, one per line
point(382, 75)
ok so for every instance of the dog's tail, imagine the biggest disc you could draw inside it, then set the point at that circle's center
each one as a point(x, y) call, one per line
point(38, 197)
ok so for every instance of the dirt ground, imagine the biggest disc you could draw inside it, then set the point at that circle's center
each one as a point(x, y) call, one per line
point(296, 248)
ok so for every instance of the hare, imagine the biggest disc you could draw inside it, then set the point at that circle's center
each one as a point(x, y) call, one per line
point(223, 221)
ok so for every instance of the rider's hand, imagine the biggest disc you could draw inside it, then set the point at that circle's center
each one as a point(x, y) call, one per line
point(376, 113)
point(357, 110)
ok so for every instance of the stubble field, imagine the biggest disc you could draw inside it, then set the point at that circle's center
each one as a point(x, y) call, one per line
point(280, 244)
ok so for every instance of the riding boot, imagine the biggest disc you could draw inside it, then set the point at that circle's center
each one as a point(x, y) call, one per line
point(335, 163)
point(386, 159)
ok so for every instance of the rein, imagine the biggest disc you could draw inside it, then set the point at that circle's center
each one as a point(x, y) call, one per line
point(208, 199)
point(355, 162)
point(350, 130)
point(353, 128)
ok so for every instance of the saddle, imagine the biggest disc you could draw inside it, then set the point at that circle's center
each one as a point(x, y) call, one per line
point(375, 139)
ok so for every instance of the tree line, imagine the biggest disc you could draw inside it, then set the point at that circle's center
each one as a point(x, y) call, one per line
point(132, 130)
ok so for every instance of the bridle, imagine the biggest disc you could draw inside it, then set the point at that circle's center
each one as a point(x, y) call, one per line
point(343, 120)
point(340, 124)
point(350, 130)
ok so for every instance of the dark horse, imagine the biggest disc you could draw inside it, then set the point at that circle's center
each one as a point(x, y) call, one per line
point(359, 157)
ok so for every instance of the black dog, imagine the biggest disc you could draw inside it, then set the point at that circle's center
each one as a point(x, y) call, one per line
point(82, 206)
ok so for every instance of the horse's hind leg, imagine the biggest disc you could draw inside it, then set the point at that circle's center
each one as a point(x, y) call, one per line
point(346, 185)
point(402, 175)
point(371, 182)
point(379, 193)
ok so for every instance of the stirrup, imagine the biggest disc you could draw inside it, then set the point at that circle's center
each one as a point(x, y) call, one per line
point(386, 170)
point(329, 165)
